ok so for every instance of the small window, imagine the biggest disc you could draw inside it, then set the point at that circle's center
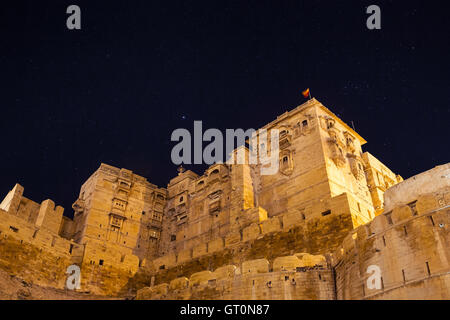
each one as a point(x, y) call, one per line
point(326, 213)
point(285, 159)
point(432, 221)
point(412, 205)
point(100, 263)
point(181, 198)
point(71, 248)
point(173, 237)
point(143, 213)
point(388, 217)
point(305, 123)
point(212, 282)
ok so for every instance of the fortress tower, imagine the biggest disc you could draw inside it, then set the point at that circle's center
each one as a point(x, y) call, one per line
point(321, 159)
point(232, 215)
point(118, 208)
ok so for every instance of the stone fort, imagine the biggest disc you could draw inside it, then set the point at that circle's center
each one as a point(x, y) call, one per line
point(311, 231)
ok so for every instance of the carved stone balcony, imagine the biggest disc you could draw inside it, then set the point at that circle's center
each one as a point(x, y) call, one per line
point(155, 224)
point(214, 207)
point(285, 141)
point(181, 219)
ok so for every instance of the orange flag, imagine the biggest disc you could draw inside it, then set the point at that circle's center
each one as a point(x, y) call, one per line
point(306, 93)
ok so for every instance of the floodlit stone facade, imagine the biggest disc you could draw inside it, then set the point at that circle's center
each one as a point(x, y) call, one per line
point(309, 231)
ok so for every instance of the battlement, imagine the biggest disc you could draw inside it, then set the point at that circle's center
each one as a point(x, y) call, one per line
point(35, 254)
point(409, 243)
point(300, 276)
point(234, 233)
point(32, 249)
point(318, 229)
point(44, 215)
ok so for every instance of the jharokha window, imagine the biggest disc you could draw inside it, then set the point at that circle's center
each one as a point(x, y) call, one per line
point(115, 227)
point(330, 124)
point(116, 221)
point(157, 216)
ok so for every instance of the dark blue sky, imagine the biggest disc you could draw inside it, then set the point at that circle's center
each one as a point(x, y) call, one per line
point(114, 91)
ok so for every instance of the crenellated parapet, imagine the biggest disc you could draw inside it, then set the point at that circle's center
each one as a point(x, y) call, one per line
point(407, 244)
point(318, 229)
point(235, 232)
point(300, 276)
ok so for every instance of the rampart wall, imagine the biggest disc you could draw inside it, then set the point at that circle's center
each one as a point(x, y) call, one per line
point(410, 245)
point(300, 276)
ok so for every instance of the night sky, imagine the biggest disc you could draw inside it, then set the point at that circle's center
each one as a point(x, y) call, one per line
point(115, 90)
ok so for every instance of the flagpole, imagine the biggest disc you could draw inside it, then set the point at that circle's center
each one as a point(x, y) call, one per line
point(307, 94)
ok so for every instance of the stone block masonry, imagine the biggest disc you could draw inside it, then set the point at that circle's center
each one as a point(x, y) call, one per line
point(309, 231)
